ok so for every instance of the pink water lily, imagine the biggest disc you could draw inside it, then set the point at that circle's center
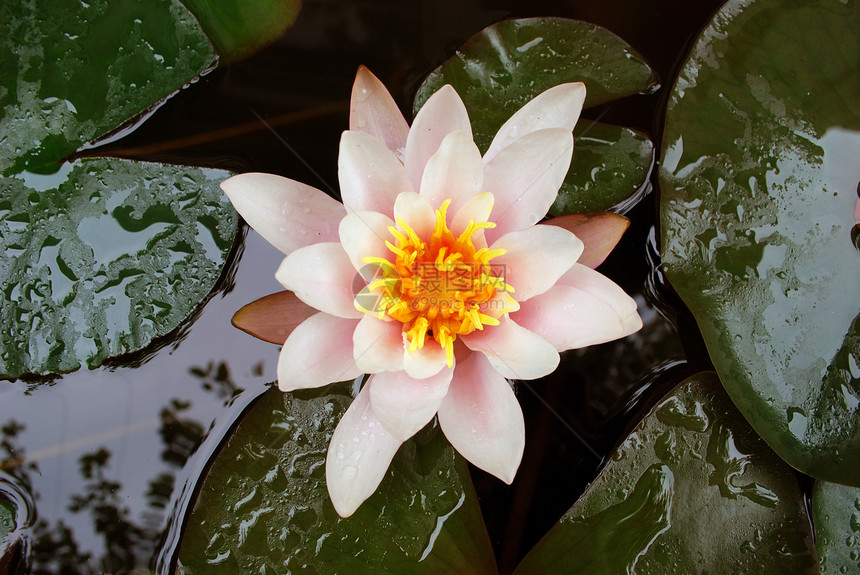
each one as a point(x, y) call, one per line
point(434, 276)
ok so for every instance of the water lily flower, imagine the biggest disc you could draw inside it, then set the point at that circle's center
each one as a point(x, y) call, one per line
point(857, 213)
point(434, 276)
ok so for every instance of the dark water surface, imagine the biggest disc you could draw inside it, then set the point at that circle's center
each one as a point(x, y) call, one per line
point(108, 459)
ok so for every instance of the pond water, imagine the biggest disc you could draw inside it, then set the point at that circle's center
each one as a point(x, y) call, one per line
point(107, 460)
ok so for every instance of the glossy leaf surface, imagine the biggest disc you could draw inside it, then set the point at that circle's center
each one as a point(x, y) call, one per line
point(104, 256)
point(73, 71)
point(238, 28)
point(836, 513)
point(7, 522)
point(507, 64)
point(264, 508)
point(692, 489)
point(610, 169)
point(759, 183)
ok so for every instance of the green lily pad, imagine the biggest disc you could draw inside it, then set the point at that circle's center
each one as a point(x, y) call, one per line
point(759, 183)
point(239, 28)
point(692, 489)
point(73, 71)
point(836, 514)
point(264, 508)
point(610, 168)
point(7, 521)
point(507, 64)
point(12, 533)
point(103, 257)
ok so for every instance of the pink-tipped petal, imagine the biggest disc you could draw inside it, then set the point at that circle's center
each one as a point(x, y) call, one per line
point(273, 317)
point(536, 258)
point(442, 113)
point(373, 111)
point(525, 177)
point(322, 276)
point(317, 353)
point(354, 469)
point(454, 172)
point(584, 308)
point(404, 405)
point(288, 214)
point(514, 351)
point(370, 175)
point(482, 419)
point(363, 234)
point(558, 107)
point(417, 212)
point(599, 232)
point(425, 361)
point(378, 345)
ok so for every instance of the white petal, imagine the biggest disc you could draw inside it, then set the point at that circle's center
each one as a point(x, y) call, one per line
point(363, 234)
point(288, 214)
point(370, 174)
point(322, 276)
point(358, 456)
point(373, 111)
point(454, 172)
point(424, 362)
point(514, 351)
point(417, 212)
point(584, 308)
point(525, 177)
point(482, 419)
point(558, 107)
point(536, 258)
point(404, 405)
point(318, 352)
point(442, 113)
point(378, 345)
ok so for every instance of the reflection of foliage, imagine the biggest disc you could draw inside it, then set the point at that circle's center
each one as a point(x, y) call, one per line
point(56, 551)
point(13, 455)
point(181, 437)
point(128, 544)
point(124, 541)
point(217, 378)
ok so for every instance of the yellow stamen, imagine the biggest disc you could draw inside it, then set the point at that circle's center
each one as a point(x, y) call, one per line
point(440, 286)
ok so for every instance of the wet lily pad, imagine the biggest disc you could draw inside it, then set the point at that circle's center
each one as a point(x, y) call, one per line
point(264, 508)
point(73, 71)
point(610, 168)
point(7, 522)
point(507, 64)
point(759, 183)
point(692, 489)
point(238, 28)
point(13, 522)
point(103, 257)
point(836, 513)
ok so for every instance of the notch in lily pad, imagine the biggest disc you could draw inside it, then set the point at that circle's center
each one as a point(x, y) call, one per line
point(263, 505)
point(691, 489)
point(759, 172)
point(505, 65)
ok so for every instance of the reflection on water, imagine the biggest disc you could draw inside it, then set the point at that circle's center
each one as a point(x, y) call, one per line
point(108, 455)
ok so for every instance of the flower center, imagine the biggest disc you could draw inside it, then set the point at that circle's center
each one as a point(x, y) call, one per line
point(440, 287)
